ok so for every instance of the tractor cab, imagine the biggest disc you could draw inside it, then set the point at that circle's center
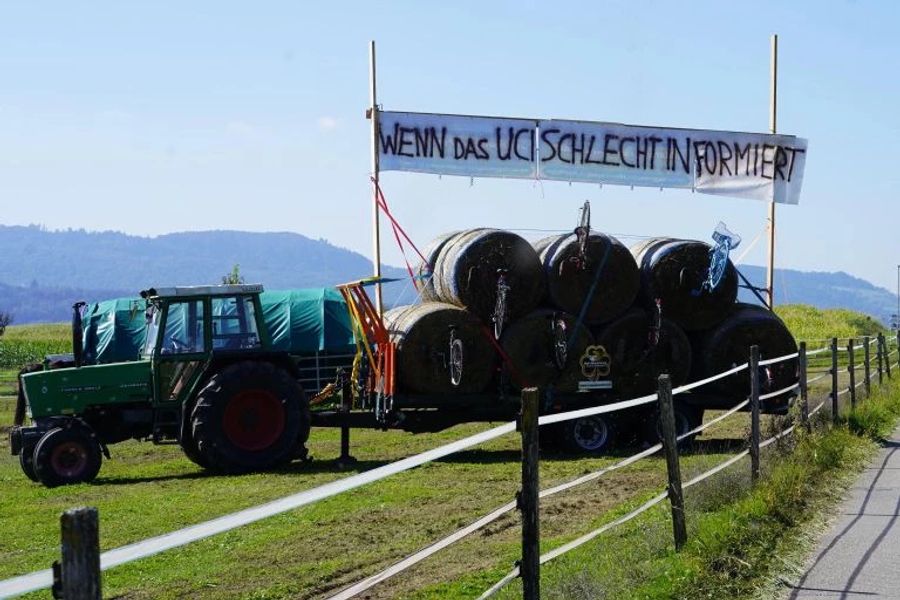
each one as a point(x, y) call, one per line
point(196, 321)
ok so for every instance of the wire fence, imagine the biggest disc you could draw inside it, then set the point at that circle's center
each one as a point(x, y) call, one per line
point(148, 547)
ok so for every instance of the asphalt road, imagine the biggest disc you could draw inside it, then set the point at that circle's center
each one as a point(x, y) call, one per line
point(860, 556)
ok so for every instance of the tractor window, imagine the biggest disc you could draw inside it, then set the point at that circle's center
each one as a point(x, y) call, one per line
point(184, 328)
point(234, 324)
point(152, 315)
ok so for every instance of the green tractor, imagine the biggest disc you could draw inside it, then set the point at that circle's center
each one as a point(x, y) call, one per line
point(208, 379)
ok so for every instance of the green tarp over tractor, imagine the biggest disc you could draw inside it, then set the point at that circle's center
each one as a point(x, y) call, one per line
point(302, 321)
point(307, 321)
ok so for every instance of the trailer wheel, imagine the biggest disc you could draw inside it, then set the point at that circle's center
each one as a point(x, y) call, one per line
point(686, 418)
point(250, 416)
point(587, 435)
point(67, 455)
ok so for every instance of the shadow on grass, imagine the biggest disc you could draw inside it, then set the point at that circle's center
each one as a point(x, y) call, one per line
point(311, 467)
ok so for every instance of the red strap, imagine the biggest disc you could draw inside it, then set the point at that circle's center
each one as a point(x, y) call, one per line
point(382, 203)
point(503, 355)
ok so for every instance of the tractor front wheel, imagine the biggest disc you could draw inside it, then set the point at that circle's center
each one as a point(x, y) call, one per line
point(26, 461)
point(66, 455)
point(250, 416)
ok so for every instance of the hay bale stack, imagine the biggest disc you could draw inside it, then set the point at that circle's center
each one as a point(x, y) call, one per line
point(673, 272)
point(426, 270)
point(422, 336)
point(635, 363)
point(609, 269)
point(728, 345)
point(531, 345)
point(466, 272)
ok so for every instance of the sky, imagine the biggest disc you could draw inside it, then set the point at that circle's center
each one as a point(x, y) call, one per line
point(155, 117)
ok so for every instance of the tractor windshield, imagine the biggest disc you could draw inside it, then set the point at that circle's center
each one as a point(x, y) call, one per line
point(152, 314)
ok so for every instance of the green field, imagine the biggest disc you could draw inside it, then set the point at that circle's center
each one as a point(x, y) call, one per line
point(146, 490)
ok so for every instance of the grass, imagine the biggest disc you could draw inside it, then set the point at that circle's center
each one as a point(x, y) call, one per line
point(816, 325)
point(147, 490)
point(744, 541)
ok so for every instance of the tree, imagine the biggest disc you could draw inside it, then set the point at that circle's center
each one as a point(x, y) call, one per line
point(5, 319)
point(234, 277)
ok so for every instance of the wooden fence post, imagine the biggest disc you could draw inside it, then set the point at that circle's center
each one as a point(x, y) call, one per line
point(673, 468)
point(867, 366)
point(886, 354)
point(529, 567)
point(851, 369)
point(898, 346)
point(79, 567)
point(754, 413)
point(835, 407)
point(880, 360)
point(804, 389)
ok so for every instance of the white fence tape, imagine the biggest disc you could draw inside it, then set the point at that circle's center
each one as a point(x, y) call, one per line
point(815, 379)
point(784, 390)
point(778, 359)
point(454, 537)
point(816, 409)
point(819, 351)
point(595, 410)
point(111, 558)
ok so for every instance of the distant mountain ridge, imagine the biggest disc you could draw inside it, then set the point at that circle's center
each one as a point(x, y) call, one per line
point(43, 272)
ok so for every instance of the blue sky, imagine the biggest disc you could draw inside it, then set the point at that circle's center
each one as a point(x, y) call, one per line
point(169, 116)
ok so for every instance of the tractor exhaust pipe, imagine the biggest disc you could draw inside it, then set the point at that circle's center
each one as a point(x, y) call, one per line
point(77, 333)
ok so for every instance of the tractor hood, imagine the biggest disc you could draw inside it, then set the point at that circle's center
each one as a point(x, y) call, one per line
point(71, 391)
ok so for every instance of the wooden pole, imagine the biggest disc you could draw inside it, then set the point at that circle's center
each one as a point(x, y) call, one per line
point(867, 366)
point(835, 407)
point(673, 468)
point(773, 126)
point(79, 568)
point(851, 369)
point(887, 358)
point(754, 413)
point(804, 389)
point(880, 359)
point(376, 214)
point(529, 568)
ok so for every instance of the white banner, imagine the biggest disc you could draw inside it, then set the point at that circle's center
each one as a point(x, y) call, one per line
point(457, 145)
point(744, 165)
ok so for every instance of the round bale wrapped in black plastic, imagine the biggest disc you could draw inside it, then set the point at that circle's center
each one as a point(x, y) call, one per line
point(728, 345)
point(424, 333)
point(544, 347)
point(469, 265)
point(607, 273)
point(426, 270)
point(639, 352)
point(673, 272)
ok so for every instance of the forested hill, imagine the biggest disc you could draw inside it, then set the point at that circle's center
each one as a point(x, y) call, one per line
point(43, 272)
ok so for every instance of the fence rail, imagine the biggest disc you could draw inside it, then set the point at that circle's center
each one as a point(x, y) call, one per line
point(131, 552)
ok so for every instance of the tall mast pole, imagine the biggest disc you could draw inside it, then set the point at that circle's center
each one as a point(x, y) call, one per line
point(773, 117)
point(376, 229)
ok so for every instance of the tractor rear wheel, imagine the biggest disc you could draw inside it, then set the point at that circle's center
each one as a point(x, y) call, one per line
point(192, 452)
point(249, 416)
point(67, 455)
